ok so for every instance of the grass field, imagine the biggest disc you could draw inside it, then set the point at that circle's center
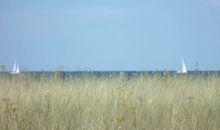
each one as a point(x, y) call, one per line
point(110, 103)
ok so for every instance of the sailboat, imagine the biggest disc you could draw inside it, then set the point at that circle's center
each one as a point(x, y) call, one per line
point(183, 70)
point(15, 69)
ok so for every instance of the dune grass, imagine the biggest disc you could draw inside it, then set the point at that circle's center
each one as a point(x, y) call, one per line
point(110, 103)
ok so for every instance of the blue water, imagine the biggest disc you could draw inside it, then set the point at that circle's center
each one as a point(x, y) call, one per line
point(114, 73)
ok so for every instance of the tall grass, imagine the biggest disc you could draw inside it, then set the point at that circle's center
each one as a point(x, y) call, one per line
point(110, 103)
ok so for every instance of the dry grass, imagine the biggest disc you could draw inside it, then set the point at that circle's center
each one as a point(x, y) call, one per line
point(110, 103)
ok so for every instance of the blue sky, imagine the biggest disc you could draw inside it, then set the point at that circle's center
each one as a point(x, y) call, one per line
point(110, 34)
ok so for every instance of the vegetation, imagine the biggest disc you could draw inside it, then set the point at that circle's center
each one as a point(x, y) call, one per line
point(110, 103)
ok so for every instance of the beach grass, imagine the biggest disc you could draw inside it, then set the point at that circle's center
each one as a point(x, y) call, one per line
point(178, 102)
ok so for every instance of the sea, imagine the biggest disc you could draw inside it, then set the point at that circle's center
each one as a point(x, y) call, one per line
point(129, 74)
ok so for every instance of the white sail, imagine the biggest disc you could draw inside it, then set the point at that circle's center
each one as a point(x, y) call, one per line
point(14, 68)
point(183, 70)
point(17, 70)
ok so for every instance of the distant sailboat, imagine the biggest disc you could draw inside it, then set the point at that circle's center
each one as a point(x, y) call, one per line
point(15, 69)
point(183, 70)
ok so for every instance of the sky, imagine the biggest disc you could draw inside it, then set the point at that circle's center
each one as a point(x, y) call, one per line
point(110, 34)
